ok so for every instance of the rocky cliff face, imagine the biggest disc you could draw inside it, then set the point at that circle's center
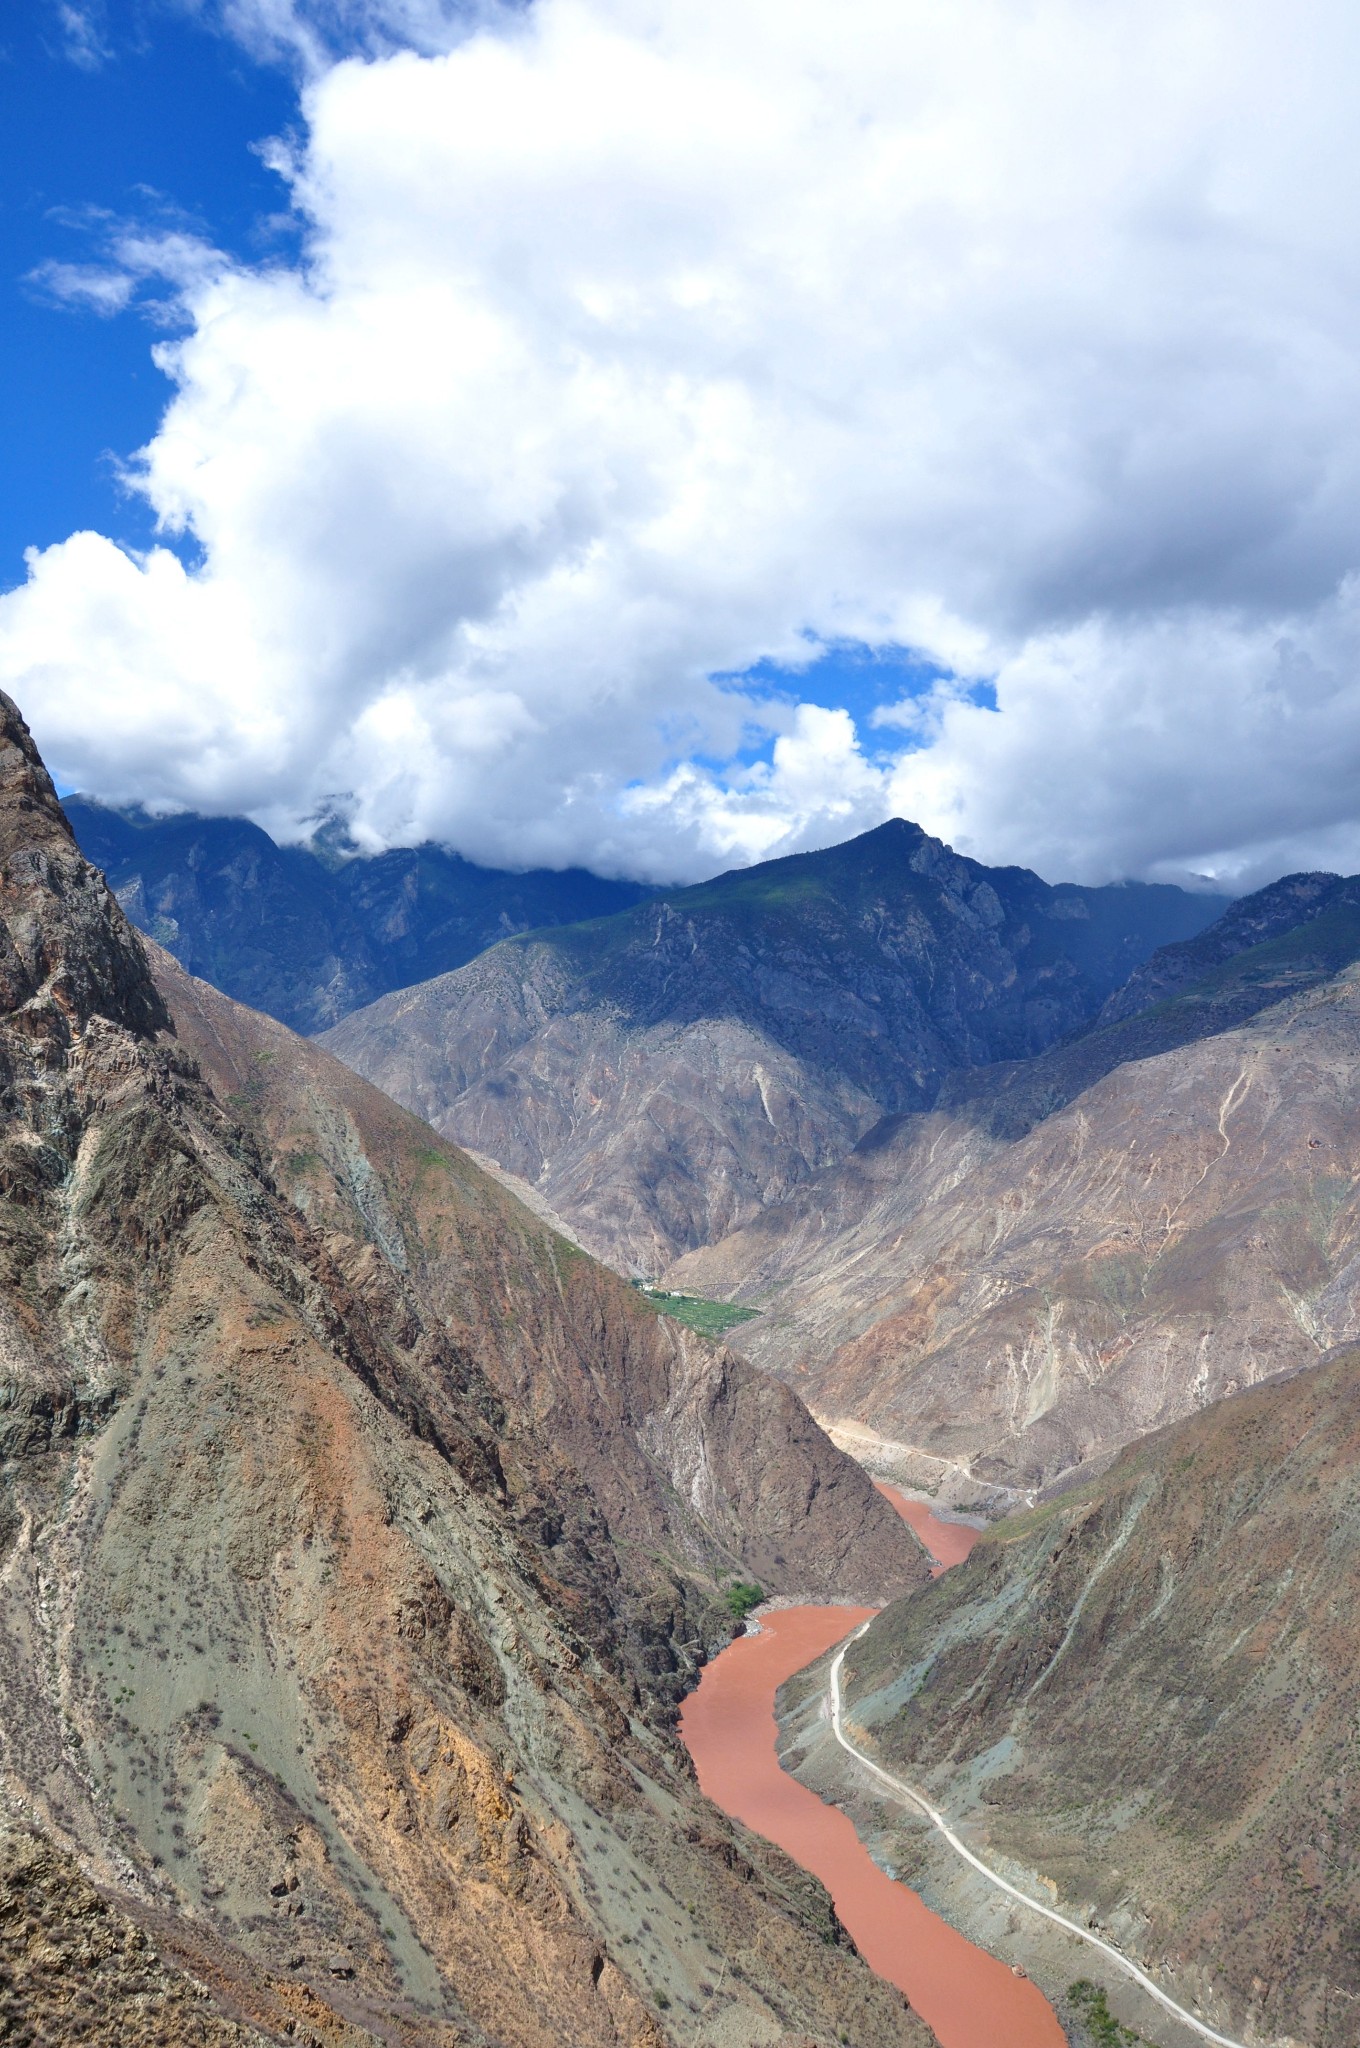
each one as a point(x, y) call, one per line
point(1146, 1693)
point(982, 1314)
point(308, 933)
point(673, 1443)
point(662, 1075)
point(317, 1649)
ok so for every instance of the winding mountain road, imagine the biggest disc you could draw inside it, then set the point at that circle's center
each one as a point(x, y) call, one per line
point(900, 1788)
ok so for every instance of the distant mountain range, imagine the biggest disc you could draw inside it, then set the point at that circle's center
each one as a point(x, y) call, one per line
point(1012, 1172)
point(663, 1074)
point(660, 1064)
point(307, 934)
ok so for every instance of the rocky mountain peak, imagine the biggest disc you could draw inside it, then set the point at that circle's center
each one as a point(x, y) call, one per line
point(895, 836)
point(67, 953)
point(30, 813)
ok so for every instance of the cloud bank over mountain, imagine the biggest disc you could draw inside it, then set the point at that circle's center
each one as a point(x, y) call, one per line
point(637, 345)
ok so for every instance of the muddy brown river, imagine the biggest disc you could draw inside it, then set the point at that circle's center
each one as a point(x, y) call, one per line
point(968, 1997)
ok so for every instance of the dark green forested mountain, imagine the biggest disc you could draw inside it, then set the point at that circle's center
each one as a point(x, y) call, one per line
point(305, 934)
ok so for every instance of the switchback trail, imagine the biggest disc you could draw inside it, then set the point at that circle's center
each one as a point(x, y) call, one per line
point(902, 1790)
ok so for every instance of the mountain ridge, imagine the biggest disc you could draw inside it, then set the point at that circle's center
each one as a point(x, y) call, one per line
point(661, 1075)
point(307, 933)
point(342, 1153)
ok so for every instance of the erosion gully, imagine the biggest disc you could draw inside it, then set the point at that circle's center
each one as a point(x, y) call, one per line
point(968, 1997)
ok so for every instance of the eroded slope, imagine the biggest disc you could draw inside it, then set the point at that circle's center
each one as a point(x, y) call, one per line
point(998, 1313)
point(309, 1650)
point(672, 1443)
point(1148, 1693)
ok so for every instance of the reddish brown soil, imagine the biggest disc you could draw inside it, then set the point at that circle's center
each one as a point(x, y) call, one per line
point(968, 1997)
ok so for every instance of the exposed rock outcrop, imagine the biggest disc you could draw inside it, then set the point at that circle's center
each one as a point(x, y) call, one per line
point(677, 1442)
point(74, 1967)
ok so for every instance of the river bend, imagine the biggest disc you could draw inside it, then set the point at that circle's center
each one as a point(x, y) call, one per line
point(969, 1998)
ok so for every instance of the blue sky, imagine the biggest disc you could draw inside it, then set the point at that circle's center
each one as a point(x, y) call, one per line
point(160, 123)
point(161, 126)
point(662, 436)
point(144, 115)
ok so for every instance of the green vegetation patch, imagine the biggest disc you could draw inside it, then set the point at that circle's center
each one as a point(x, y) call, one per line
point(302, 1160)
point(741, 1596)
point(1089, 2002)
point(709, 1318)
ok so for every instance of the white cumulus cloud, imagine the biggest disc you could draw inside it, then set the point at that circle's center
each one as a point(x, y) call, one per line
point(634, 345)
